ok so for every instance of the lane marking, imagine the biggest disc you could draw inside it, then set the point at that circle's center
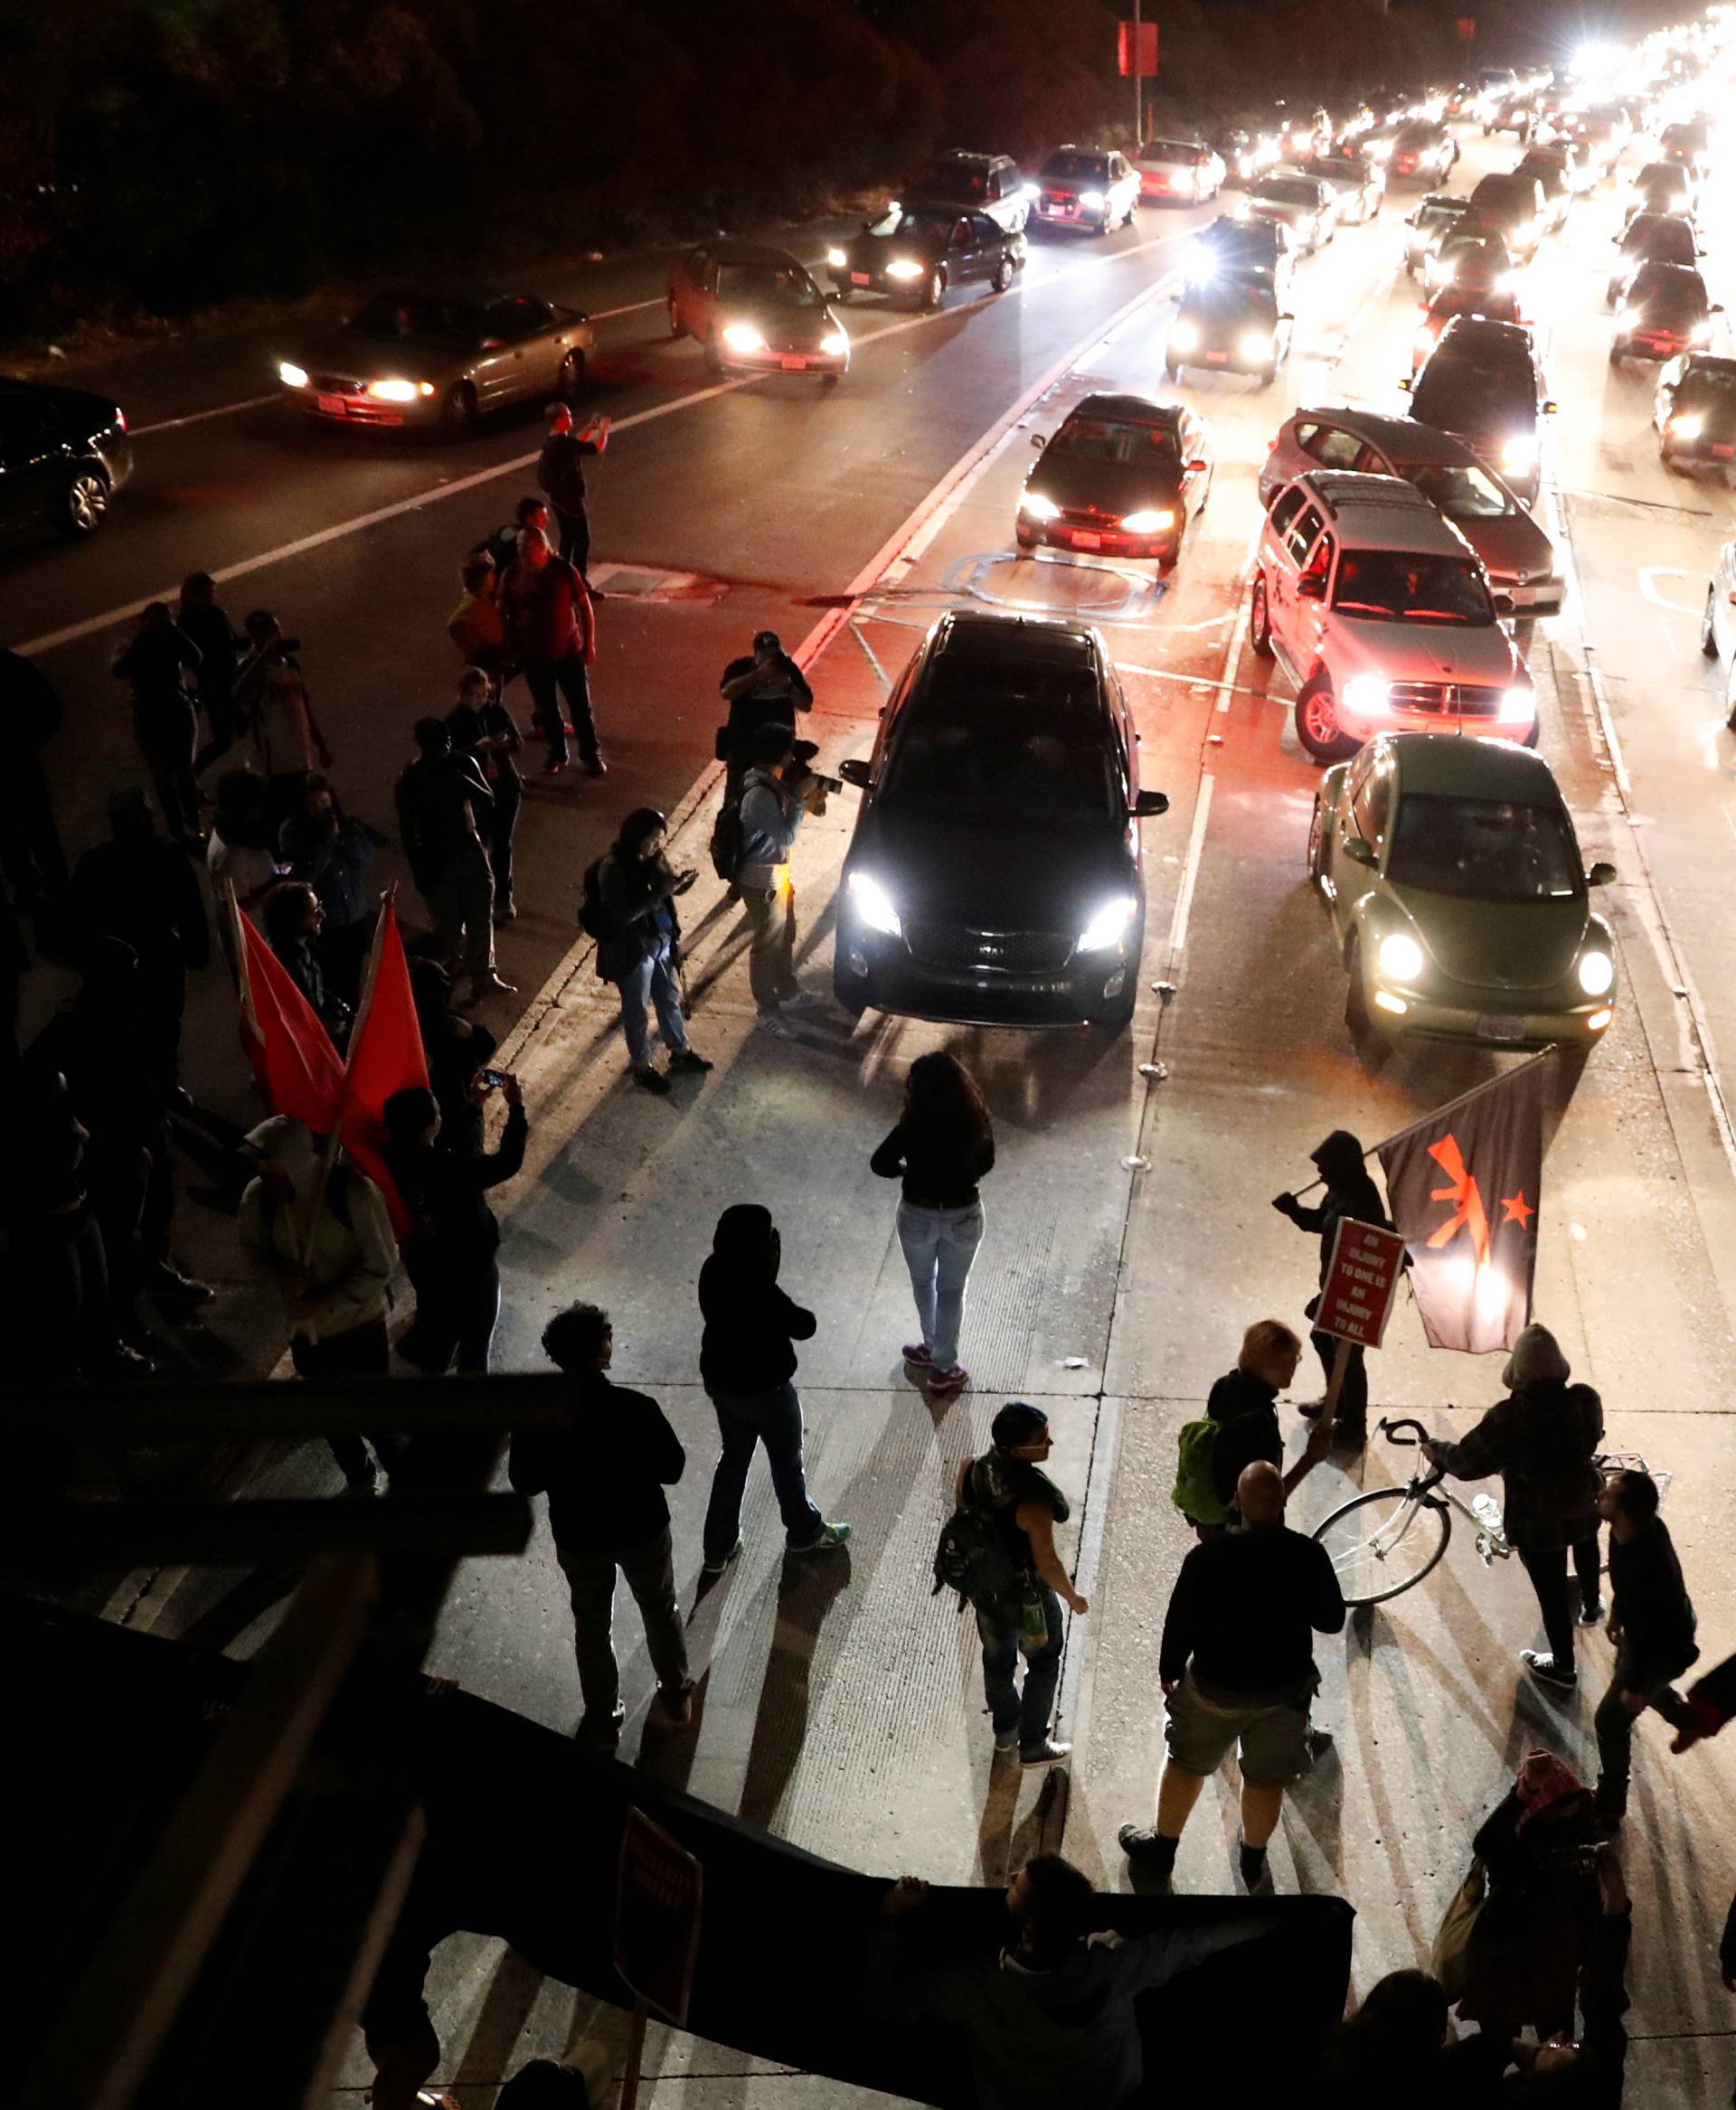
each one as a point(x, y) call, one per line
point(127, 612)
point(1190, 871)
point(199, 417)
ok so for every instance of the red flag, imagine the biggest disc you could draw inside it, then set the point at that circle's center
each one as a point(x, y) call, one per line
point(288, 1048)
point(1464, 1187)
point(385, 1057)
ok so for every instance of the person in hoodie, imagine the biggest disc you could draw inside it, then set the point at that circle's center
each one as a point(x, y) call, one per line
point(1051, 2018)
point(747, 1361)
point(325, 1235)
point(1540, 1439)
point(1352, 1192)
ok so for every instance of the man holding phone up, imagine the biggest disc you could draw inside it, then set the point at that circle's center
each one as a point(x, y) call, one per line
point(777, 790)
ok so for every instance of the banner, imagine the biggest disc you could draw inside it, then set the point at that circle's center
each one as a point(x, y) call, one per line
point(385, 1057)
point(1463, 1186)
point(288, 1048)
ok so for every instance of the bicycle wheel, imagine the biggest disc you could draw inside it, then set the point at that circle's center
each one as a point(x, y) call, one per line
point(1382, 1543)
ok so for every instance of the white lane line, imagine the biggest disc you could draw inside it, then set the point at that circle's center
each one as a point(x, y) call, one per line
point(601, 315)
point(128, 612)
point(1190, 872)
point(199, 417)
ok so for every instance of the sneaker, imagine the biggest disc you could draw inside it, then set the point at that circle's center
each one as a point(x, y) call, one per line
point(715, 1563)
point(675, 1703)
point(489, 984)
point(1145, 1845)
point(917, 1352)
point(797, 1000)
point(831, 1537)
point(603, 1737)
point(363, 1485)
point(653, 1081)
point(1047, 1753)
point(691, 1059)
point(954, 1380)
point(1547, 1671)
point(1007, 1740)
point(554, 765)
point(503, 914)
point(1590, 1612)
point(596, 767)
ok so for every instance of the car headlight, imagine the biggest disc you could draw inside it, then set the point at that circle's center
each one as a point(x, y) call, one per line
point(1149, 521)
point(1520, 451)
point(1039, 507)
point(1033, 190)
point(1399, 958)
point(1526, 232)
point(1092, 200)
point(1108, 924)
point(1700, 333)
point(291, 376)
point(1241, 209)
point(1508, 282)
point(1518, 707)
point(837, 261)
point(1366, 694)
point(1624, 314)
point(1688, 427)
point(835, 343)
point(399, 391)
point(1597, 974)
point(1255, 345)
point(905, 268)
point(1184, 336)
point(872, 903)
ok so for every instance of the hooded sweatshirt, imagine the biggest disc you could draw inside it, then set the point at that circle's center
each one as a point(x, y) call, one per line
point(1350, 1191)
point(1540, 1441)
point(348, 1264)
point(749, 1322)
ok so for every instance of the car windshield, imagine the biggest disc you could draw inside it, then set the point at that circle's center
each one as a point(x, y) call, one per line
point(1483, 849)
point(1004, 741)
point(1085, 168)
point(1171, 150)
point(389, 315)
point(1674, 295)
point(1690, 136)
point(1461, 491)
point(1287, 191)
point(1431, 219)
point(1472, 395)
point(1115, 439)
point(785, 285)
point(1707, 388)
point(926, 230)
point(1398, 586)
point(953, 179)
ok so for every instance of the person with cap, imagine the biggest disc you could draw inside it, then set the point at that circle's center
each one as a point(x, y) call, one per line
point(776, 791)
point(552, 633)
point(444, 813)
point(639, 943)
point(322, 1231)
point(1542, 1439)
point(1350, 1191)
point(1236, 1664)
point(764, 687)
point(561, 472)
point(746, 1363)
point(1651, 1627)
point(1008, 1482)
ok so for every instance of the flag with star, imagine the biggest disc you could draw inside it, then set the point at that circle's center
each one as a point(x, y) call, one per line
point(1464, 1187)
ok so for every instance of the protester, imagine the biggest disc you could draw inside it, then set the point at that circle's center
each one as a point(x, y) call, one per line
point(500, 545)
point(776, 793)
point(1237, 1668)
point(747, 1363)
point(1051, 2019)
point(476, 625)
point(457, 1050)
point(239, 853)
point(604, 1474)
point(1021, 1616)
point(160, 662)
point(943, 1143)
point(1393, 2048)
point(1651, 1627)
point(639, 942)
point(764, 687)
point(31, 714)
point(266, 647)
point(1241, 1426)
point(486, 732)
point(293, 919)
point(444, 810)
point(322, 1230)
point(335, 854)
point(209, 629)
point(1540, 1439)
point(1350, 1192)
point(561, 472)
point(552, 633)
point(452, 1252)
point(287, 737)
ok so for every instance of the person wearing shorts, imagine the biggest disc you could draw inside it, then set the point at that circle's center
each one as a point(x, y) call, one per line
point(1237, 1668)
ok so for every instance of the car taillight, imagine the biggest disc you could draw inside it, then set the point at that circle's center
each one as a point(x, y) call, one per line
point(120, 420)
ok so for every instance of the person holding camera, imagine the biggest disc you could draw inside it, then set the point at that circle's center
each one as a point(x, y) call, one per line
point(639, 942)
point(777, 790)
point(766, 687)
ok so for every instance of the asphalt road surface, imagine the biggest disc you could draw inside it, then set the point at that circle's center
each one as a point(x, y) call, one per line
point(1130, 1237)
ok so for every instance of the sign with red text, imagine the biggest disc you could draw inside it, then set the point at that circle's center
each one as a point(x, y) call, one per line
point(1362, 1279)
point(656, 1917)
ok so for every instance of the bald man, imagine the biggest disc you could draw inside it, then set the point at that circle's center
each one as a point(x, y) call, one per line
point(1237, 1669)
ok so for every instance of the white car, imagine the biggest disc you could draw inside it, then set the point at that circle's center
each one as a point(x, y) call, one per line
point(1185, 172)
point(1718, 624)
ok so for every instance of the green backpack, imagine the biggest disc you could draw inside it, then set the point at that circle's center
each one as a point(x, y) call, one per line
point(1196, 1488)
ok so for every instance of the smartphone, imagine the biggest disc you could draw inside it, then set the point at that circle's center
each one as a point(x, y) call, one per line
point(493, 1078)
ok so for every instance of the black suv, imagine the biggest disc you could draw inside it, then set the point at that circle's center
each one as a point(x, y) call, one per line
point(63, 454)
point(980, 182)
point(994, 877)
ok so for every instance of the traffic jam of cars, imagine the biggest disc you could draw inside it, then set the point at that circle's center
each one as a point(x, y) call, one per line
point(1406, 548)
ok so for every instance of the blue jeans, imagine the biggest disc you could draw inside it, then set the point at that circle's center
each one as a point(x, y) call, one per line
point(1001, 1627)
point(744, 1419)
point(653, 979)
point(939, 1244)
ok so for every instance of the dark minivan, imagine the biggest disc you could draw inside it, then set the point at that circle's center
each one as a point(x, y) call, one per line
point(1483, 383)
point(994, 877)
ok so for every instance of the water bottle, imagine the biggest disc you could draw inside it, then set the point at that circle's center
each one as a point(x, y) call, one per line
point(1487, 1510)
point(1034, 1616)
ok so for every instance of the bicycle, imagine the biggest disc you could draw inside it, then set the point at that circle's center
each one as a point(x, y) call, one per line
point(1412, 1524)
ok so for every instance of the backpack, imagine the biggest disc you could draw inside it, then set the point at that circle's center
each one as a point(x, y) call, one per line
point(1195, 1492)
point(972, 1558)
point(726, 839)
point(595, 919)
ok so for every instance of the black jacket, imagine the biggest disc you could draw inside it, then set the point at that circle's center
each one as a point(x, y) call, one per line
point(561, 470)
point(1649, 1602)
point(1245, 1609)
point(749, 1322)
point(1540, 1441)
point(639, 901)
point(1350, 1191)
point(606, 1472)
point(1245, 1406)
point(939, 1171)
point(443, 1190)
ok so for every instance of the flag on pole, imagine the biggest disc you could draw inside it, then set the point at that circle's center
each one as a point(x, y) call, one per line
point(386, 1056)
point(1463, 1186)
point(288, 1048)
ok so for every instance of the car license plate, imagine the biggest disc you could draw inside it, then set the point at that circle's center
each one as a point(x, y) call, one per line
point(860, 278)
point(1216, 358)
point(1082, 540)
point(1495, 1026)
point(794, 365)
point(1721, 450)
point(331, 406)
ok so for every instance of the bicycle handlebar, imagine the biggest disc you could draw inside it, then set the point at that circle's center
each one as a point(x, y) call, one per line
point(1389, 1430)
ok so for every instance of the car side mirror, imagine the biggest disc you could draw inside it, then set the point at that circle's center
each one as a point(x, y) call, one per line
point(1310, 587)
point(1600, 875)
point(1148, 804)
point(1359, 850)
point(1037, 440)
point(855, 770)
